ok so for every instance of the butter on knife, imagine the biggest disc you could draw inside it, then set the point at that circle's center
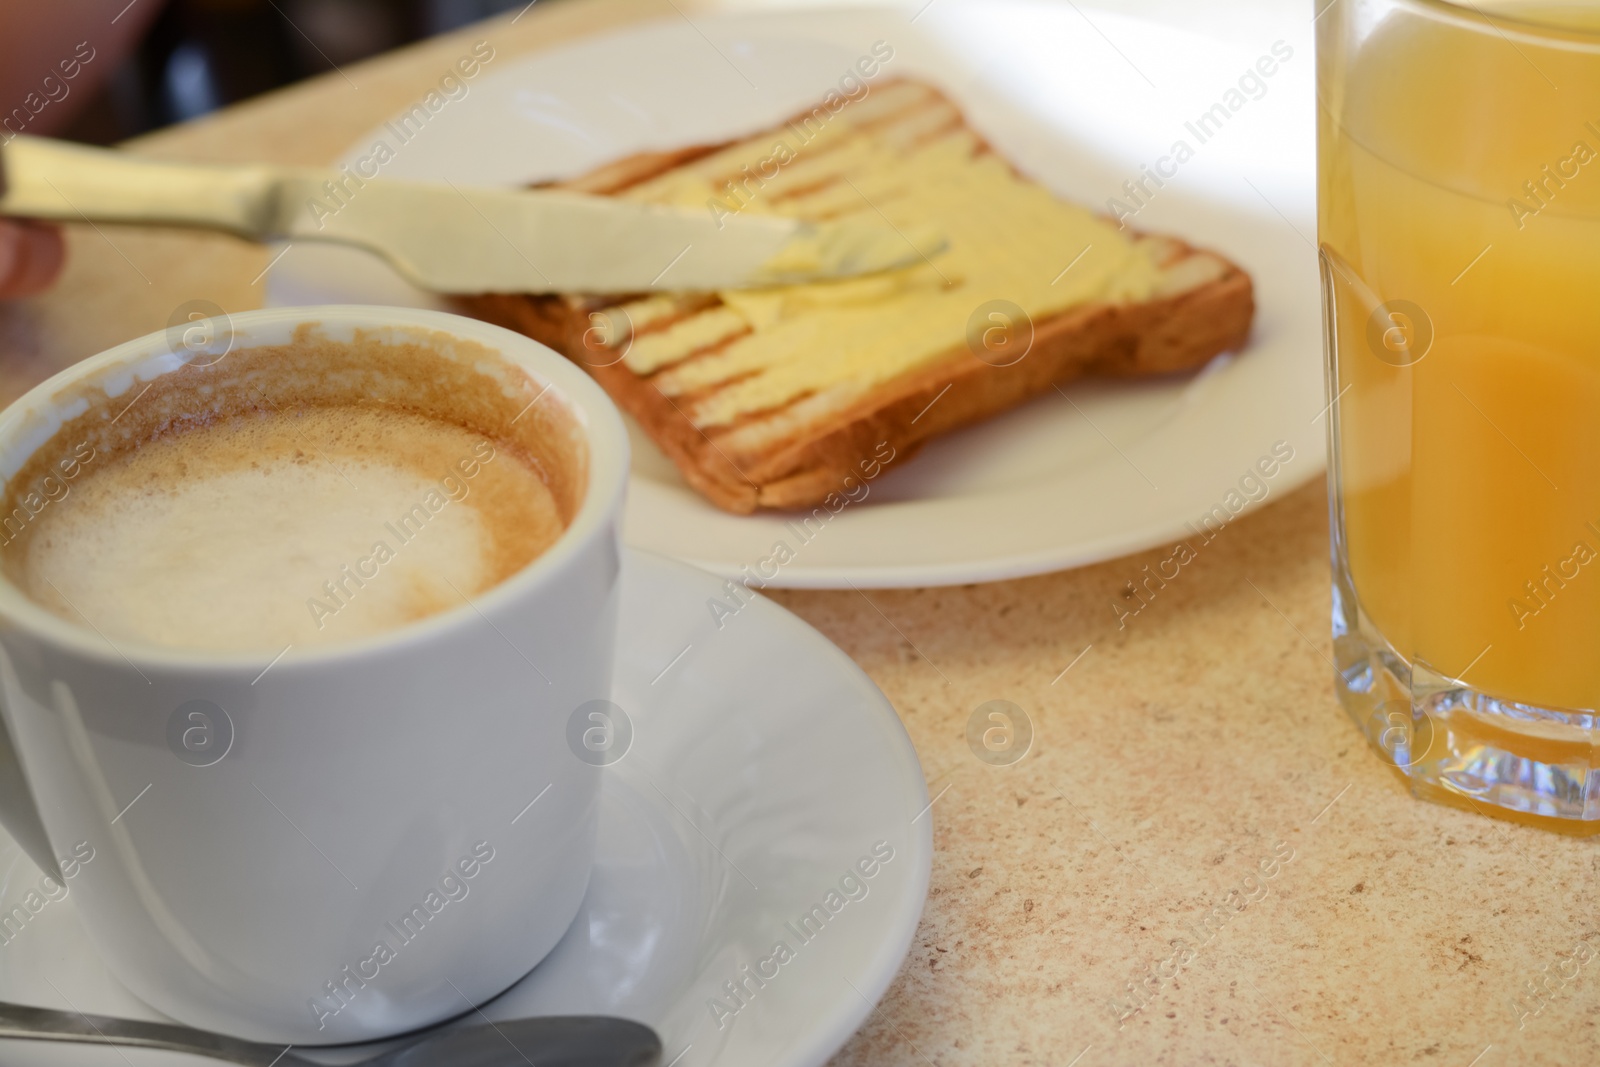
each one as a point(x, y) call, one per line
point(451, 238)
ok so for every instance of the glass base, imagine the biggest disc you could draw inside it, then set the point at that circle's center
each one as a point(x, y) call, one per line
point(1455, 745)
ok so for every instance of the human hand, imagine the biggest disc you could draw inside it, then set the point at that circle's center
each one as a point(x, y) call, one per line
point(31, 254)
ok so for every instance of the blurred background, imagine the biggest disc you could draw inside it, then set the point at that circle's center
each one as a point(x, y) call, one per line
point(194, 56)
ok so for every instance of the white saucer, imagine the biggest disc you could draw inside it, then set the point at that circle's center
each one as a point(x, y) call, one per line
point(1079, 97)
point(764, 765)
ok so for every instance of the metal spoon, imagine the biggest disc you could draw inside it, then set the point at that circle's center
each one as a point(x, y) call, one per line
point(553, 1041)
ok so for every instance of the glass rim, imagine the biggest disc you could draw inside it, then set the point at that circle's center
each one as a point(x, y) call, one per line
point(1475, 16)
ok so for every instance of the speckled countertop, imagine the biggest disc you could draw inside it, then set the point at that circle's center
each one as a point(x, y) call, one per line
point(1198, 832)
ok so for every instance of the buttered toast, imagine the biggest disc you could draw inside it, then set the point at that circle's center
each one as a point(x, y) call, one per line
point(782, 398)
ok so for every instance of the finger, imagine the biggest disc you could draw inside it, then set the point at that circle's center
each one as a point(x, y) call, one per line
point(31, 254)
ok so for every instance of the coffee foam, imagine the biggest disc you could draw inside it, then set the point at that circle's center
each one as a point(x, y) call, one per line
point(304, 493)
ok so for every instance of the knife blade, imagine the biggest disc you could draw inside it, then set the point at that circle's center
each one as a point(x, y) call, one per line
point(451, 238)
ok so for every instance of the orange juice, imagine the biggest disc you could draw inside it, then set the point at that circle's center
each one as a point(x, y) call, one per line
point(1460, 232)
point(1459, 222)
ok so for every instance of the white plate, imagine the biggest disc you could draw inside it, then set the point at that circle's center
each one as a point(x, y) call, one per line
point(1079, 98)
point(718, 828)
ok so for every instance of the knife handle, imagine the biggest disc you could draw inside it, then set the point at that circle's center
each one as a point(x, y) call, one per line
point(46, 179)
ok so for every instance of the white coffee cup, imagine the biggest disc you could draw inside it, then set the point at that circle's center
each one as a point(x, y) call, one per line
point(412, 789)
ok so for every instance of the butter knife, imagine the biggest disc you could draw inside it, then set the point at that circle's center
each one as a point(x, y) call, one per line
point(452, 238)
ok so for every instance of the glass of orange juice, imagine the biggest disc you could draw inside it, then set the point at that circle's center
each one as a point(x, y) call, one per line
point(1459, 234)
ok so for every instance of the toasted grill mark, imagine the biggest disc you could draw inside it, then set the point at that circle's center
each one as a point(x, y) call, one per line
point(671, 314)
point(688, 336)
point(691, 399)
point(663, 378)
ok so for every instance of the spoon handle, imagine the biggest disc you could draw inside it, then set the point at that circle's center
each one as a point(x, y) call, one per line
point(48, 1024)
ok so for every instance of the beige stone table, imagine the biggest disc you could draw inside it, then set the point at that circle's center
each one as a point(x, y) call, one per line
point(1172, 759)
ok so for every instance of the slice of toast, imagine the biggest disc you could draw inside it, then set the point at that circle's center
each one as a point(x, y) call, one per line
point(784, 399)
